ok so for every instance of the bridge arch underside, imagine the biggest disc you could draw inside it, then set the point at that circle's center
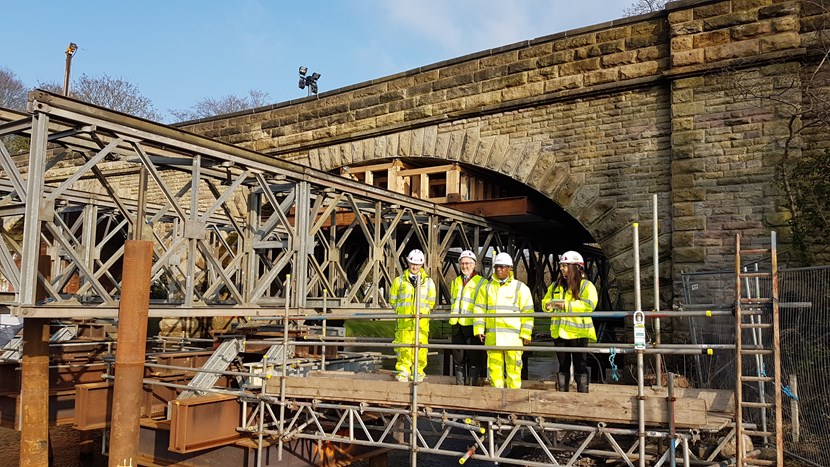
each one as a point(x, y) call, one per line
point(545, 229)
point(589, 171)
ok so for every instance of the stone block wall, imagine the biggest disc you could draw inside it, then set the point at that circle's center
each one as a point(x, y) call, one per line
point(597, 119)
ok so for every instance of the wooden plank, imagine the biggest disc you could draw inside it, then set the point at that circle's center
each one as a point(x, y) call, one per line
point(717, 400)
point(368, 168)
point(597, 406)
point(423, 186)
point(515, 206)
point(425, 170)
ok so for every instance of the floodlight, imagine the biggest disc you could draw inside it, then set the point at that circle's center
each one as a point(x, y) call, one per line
point(308, 81)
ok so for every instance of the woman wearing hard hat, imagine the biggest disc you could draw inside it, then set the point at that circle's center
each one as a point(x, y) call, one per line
point(404, 300)
point(572, 292)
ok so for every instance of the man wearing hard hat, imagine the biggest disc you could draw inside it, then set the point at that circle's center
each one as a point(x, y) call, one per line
point(405, 301)
point(463, 293)
point(504, 294)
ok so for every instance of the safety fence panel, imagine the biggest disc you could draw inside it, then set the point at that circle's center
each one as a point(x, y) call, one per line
point(804, 298)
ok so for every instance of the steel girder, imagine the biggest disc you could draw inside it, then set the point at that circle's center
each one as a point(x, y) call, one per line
point(231, 228)
point(489, 437)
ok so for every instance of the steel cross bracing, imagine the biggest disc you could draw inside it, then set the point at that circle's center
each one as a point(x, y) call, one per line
point(228, 225)
point(484, 436)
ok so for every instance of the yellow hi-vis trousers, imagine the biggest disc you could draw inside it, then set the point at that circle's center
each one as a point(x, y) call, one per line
point(406, 357)
point(500, 360)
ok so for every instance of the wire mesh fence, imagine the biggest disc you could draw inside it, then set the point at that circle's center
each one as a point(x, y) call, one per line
point(804, 300)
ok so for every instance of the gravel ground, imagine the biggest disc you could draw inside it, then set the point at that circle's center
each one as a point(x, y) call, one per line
point(65, 448)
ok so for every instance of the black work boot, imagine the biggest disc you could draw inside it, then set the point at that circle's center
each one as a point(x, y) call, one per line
point(459, 375)
point(582, 382)
point(564, 381)
point(472, 376)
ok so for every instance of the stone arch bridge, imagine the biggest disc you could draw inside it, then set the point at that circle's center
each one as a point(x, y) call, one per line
point(595, 119)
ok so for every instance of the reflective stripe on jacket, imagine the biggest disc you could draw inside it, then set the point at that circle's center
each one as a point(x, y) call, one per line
point(464, 298)
point(578, 326)
point(511, 297)
point(402, 300)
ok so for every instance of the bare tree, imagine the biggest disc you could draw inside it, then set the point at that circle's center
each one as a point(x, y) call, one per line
point(644, 6)
point(802, 99)
point(209, 107)
point(113, 93)
point(116, 94)
point(13, 92)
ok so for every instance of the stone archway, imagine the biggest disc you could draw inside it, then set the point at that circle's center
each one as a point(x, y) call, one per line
point(532, 164)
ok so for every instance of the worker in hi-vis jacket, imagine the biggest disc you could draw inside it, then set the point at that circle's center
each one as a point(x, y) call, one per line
point(504, 294)
point(412, 289)
point(463, 292)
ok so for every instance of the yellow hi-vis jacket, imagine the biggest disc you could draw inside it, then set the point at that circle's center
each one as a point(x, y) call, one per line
point(464, 298)
point(511, 297)
point(578, 326)
point(402, 299)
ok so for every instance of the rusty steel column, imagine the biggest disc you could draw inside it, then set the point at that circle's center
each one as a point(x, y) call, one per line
point(34, 392)
point(34, 384)
point(130, 352)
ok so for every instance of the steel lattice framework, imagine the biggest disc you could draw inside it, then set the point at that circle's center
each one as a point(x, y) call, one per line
point(228, 225)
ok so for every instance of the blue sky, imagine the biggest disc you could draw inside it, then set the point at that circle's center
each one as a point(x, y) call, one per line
point(179, 52)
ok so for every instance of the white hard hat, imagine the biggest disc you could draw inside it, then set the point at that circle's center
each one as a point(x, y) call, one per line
point(571, 257)
point(415, 257)
point(503, 259)
point(467, 254)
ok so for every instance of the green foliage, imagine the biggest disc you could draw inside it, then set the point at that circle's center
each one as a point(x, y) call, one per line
point(386, 328)
point(370, 328)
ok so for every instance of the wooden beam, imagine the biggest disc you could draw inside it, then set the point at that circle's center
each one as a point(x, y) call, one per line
point(515, 206)
point(369, 168)
point(423, 186)
point(609, 406)
point(426, 170)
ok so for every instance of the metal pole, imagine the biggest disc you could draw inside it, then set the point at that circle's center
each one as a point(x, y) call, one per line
point(658, 359)
point(413, 436)
point(686, 456)
point(323, 356)
point(129, 358)
point(138, 232)
point(794, 408)
point(284, 366)
point(672, 429)
point(641, 412)
point(70, 52)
